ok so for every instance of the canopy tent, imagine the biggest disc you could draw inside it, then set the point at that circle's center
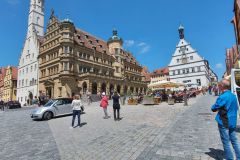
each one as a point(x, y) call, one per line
point(165, 84)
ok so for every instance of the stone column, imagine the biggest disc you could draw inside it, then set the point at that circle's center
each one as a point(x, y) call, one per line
point(99, 87)
point(89, 86)
point(122, 90)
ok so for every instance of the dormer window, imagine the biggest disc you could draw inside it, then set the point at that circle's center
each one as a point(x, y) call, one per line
point(100, 46)
point(79, 37)
point(86, 36)
point(90, 42)
point(97, 40)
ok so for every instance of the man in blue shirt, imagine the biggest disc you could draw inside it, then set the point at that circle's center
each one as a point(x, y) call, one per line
point(227, 108)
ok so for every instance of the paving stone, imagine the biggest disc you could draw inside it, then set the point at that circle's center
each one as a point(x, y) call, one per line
point(145, 133)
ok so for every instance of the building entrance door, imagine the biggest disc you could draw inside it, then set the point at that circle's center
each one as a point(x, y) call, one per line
point(49, 92)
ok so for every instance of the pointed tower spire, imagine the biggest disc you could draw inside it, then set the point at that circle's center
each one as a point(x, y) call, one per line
point(181, 31)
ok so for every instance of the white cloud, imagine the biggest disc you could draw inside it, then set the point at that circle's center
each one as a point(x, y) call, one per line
point(219, 66)
point(142, 44)
point(145, 49)
point(13, 2)
point(129, 43)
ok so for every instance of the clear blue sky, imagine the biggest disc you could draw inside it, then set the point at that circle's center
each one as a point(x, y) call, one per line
point(149, 27)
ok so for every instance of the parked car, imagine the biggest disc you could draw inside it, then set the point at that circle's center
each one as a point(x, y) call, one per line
point(13, 105)
point(53, 108)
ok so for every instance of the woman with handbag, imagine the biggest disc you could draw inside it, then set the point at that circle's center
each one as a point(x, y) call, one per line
point(104, 105)
point(76, 106)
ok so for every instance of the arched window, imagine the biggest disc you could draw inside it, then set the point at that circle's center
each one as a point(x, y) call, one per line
point(94, 88)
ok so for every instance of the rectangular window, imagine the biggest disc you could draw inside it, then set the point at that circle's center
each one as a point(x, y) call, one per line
point(179, 71)
point(199, 68)
point(65, 66)
point(65, 49)
point(177, 60)
point(193, 69)
point(191, 57)
point(198, 82)
point(187, 70)
point(173, 72)
point(183, 71)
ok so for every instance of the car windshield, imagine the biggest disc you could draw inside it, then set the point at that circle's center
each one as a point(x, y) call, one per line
point(49, 103)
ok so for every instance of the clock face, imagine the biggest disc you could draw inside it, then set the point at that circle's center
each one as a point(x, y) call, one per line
point(183, 49)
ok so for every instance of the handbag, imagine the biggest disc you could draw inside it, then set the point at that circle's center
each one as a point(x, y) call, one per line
point(82, 108)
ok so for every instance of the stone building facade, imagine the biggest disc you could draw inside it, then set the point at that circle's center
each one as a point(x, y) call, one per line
point(10, 84)
point(187, 66)
point(160, 75)
point(2, 75)
point(74, 61)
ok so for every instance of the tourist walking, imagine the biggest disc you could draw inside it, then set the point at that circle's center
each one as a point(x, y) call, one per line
point(227, 108)
point(116, 106)
point(104, 105)
point(76, 107)
point(124, 98)
point(2, 105)
point(89, 98)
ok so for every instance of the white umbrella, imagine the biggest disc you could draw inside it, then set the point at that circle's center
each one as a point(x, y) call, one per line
point(166, 84)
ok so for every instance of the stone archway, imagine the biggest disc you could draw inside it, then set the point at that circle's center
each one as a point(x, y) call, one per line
point(125, 89)
point(103, 87)
point(137, 90)
point(84, 87)
point(131, 89)
point(119, 89)
point(94, 88)
point(111, 89)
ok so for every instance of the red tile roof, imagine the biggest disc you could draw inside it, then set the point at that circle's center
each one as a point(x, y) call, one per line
point(86, 39)
point(14, 73)
point(163, 71)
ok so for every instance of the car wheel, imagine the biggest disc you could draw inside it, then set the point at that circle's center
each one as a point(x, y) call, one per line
point(47, 116)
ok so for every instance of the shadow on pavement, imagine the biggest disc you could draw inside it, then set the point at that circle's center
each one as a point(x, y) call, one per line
point(83, 124)
point(217, 154)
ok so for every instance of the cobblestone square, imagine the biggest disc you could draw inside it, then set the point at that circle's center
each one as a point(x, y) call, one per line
point(144, 133)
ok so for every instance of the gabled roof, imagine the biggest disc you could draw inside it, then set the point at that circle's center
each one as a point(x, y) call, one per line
point(161, 71)
point(86, 39)
point(14, 73)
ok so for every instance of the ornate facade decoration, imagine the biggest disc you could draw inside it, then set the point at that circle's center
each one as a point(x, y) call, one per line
point(74, 61)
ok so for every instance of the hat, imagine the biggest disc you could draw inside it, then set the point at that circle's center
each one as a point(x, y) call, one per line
point(103, 93)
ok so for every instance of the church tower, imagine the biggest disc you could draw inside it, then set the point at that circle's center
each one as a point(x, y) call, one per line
point(36, 17)
point(28, 63)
